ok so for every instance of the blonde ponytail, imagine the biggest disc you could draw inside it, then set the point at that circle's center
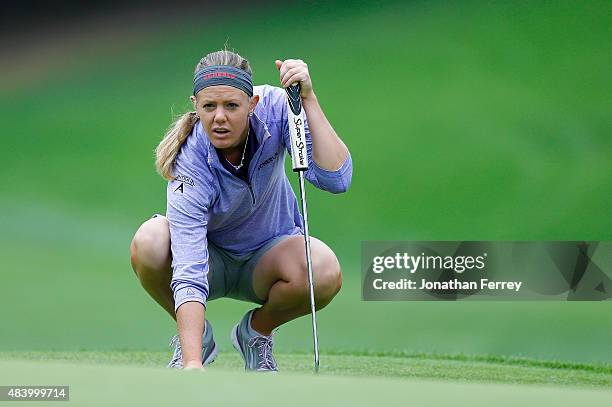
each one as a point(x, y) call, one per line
point(168, 148)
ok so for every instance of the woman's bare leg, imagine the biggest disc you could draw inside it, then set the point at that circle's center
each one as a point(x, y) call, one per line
point(281, 278)
point(151, 260)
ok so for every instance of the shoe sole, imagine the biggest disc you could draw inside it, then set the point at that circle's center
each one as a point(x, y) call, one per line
point(213, 355)
point(215, 351)
point(234, 339)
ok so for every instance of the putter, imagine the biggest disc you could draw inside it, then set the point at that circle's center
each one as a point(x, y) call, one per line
point(299, 160)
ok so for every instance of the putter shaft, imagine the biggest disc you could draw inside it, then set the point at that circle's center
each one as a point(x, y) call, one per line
point(309, 266)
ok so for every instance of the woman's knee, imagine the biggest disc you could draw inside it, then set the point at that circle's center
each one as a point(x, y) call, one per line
point(150, 247)
point(327, 276)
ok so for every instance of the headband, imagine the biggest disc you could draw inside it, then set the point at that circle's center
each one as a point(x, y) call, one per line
point(222, 75)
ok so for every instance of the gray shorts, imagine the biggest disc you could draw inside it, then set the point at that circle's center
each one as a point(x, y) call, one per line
point(231, 276)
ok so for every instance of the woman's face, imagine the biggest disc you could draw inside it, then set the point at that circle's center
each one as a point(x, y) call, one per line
point(224, 112)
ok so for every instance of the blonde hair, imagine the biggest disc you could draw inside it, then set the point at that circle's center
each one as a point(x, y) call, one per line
point(168, 148)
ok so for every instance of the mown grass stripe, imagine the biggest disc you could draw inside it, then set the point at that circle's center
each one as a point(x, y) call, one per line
point(458, 368)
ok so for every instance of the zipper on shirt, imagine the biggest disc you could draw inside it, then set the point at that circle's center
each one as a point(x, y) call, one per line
point(252, 168)
point(252, 193)
point(249, 186)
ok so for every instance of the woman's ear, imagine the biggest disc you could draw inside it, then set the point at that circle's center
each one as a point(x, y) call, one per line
point(193, 101)
point(253, 103)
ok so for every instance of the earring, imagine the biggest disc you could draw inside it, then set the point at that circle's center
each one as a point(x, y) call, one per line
point(250, 114)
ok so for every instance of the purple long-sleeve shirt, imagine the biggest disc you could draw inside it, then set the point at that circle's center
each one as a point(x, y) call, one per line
point(208, 203)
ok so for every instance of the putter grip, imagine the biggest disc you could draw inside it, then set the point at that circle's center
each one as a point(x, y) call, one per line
point(295, 118)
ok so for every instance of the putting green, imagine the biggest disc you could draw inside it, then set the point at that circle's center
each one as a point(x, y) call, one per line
point(104, 385)
point(463, 368)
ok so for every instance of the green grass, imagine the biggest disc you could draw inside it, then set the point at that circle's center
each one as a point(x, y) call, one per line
point(461, 368)
point(138, 378)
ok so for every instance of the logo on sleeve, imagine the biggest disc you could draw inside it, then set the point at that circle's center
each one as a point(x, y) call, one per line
point(183, 179)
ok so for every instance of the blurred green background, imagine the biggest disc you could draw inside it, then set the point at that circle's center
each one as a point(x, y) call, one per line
point(467, 120)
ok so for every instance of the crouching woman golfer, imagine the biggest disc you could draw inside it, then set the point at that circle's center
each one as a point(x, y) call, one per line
point(232, 226)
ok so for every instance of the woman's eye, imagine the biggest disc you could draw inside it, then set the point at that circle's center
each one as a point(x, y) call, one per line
point(208, 106)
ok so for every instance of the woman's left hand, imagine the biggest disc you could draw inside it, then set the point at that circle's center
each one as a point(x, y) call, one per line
point(295, 70)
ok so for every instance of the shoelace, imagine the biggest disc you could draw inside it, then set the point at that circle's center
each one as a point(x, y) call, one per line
point(264, 344)
point(177, 359)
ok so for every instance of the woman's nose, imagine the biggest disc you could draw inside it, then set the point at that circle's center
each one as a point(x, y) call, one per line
point(220, 115)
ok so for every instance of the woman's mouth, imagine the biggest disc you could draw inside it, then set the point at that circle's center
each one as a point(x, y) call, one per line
point(221, 131)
